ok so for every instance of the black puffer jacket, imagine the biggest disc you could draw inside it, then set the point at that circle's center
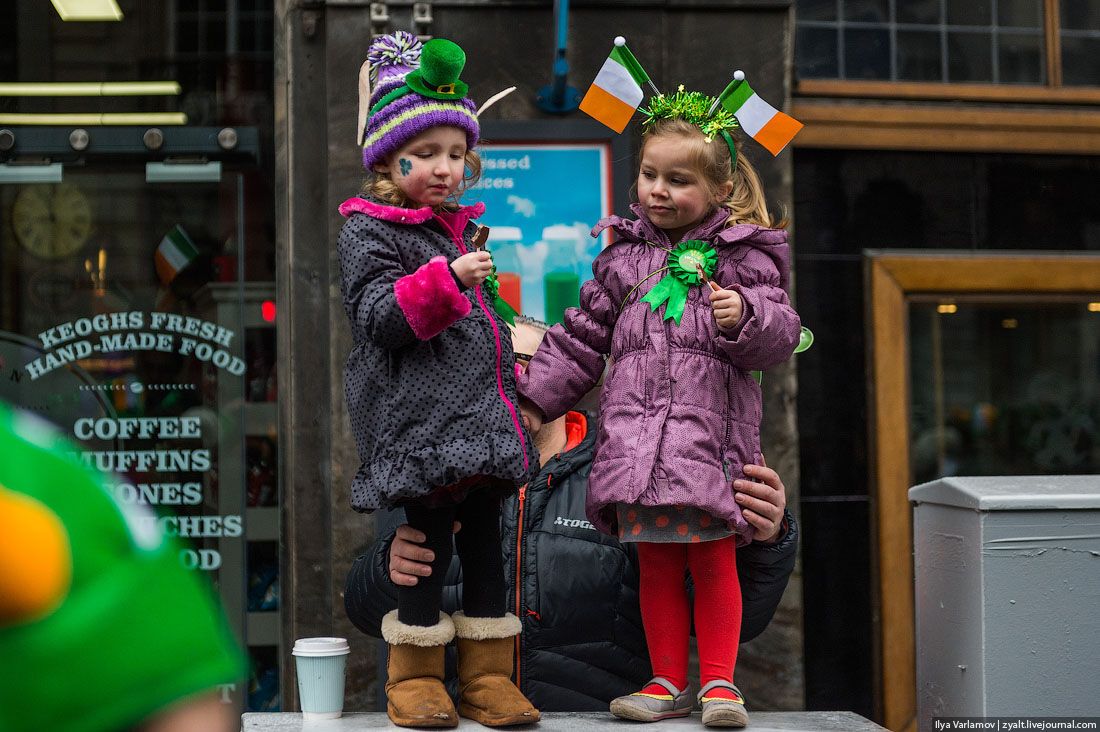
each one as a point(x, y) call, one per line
point(430, 382)
point(582, 642)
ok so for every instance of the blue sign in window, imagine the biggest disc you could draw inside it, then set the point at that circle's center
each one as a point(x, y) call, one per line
point(541, 202)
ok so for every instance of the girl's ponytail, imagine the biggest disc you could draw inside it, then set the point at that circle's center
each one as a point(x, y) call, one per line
point(747, 203)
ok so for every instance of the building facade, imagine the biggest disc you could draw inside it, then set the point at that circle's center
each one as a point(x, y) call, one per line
point(169, 293)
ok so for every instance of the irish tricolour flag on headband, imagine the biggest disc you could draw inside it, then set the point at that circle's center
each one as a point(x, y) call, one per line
point(760, 121)
point(175, 252)
point(617, 91)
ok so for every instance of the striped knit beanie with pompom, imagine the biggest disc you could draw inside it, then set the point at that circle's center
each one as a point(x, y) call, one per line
point(414, 87)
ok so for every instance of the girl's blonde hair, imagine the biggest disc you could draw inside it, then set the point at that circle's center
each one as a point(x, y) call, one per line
point(746, 202)
point(381, 185)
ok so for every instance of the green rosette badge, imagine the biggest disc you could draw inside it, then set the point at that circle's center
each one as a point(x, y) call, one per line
point(683, 263)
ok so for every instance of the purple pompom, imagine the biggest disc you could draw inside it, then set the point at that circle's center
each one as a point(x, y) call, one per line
point(402, 49)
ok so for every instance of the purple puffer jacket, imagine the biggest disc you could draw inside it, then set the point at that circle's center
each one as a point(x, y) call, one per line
point(679, 413)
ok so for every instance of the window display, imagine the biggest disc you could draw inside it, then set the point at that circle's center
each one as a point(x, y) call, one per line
point(116, 326)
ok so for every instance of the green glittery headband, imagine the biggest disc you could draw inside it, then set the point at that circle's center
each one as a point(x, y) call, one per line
point(694, 108)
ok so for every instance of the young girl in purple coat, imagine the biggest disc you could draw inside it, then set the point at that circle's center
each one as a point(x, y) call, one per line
point(687, 302)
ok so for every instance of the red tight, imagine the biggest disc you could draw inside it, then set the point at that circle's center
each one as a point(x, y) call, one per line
point(665, 611)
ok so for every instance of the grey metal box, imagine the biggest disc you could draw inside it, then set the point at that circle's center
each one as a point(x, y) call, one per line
point(1007, 596)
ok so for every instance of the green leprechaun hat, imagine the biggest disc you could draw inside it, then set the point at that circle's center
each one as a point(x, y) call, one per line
point(441, 62)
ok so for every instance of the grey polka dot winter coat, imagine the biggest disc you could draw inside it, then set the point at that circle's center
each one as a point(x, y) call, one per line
point(430, 382)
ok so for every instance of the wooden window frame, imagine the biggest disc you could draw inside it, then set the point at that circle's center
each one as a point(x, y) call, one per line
point(933, 91)
point(931, 127)
point(892, 277)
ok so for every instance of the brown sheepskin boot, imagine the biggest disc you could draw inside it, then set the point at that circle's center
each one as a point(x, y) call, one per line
point(487, 694)
point(415, 694)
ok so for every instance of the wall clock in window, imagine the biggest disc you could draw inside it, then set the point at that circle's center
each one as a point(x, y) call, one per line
point(52, 221)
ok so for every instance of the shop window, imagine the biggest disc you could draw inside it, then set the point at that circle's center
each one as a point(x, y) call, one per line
point(996, 391)
point(956, 41)
point(120, 307)
point(137, 271)
point(1004, 387)
point(1011, 42)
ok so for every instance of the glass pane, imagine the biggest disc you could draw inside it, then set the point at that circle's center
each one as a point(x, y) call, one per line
point(1021, 58)
point(919, 56)
point(187, 36)
point(817, 54)
point(214, 35)
point(919, 11)
point(1004, 388)
point(1080, 61)
point(867, 11)
point(866, 54)
point(1080, 14)
point(247, 37)
point(969, 12)
point(265, 34)
point(815, 10)
point(125, 321)
point(1020, 13)
point(969, 57)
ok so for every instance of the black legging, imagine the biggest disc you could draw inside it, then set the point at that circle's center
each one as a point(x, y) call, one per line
point(479, 552)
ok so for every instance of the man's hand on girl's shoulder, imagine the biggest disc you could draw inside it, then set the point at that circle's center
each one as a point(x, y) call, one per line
point(762, 498)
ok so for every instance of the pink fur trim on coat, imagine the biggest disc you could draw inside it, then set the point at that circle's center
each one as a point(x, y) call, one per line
point(396, 214)
point(399, 215)
point(430, 299)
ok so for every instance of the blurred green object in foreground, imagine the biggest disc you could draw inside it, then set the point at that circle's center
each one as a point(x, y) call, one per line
point(805, 340)
point(131, 631)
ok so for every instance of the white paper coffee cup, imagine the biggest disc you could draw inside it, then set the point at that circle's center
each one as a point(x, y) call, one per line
point(320, 663)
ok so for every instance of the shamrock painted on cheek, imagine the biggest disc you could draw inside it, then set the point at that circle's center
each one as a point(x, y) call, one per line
point(406, 166)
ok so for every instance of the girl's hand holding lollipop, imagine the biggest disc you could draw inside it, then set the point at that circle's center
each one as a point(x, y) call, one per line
point(727, 304)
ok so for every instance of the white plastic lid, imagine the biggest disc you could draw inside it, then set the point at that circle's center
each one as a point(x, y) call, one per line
point(1012, 492)
point(321, 647)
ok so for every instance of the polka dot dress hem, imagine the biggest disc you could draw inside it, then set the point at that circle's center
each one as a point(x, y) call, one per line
point(669, 524)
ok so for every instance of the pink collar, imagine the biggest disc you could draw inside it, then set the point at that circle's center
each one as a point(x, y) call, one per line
point(399, 215)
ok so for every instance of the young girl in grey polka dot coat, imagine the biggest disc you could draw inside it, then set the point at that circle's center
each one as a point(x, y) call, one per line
point(430, 382)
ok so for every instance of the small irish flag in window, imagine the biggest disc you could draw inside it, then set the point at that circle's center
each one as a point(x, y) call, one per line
point(760, 121)
point(617, 90)
point(175, 252)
